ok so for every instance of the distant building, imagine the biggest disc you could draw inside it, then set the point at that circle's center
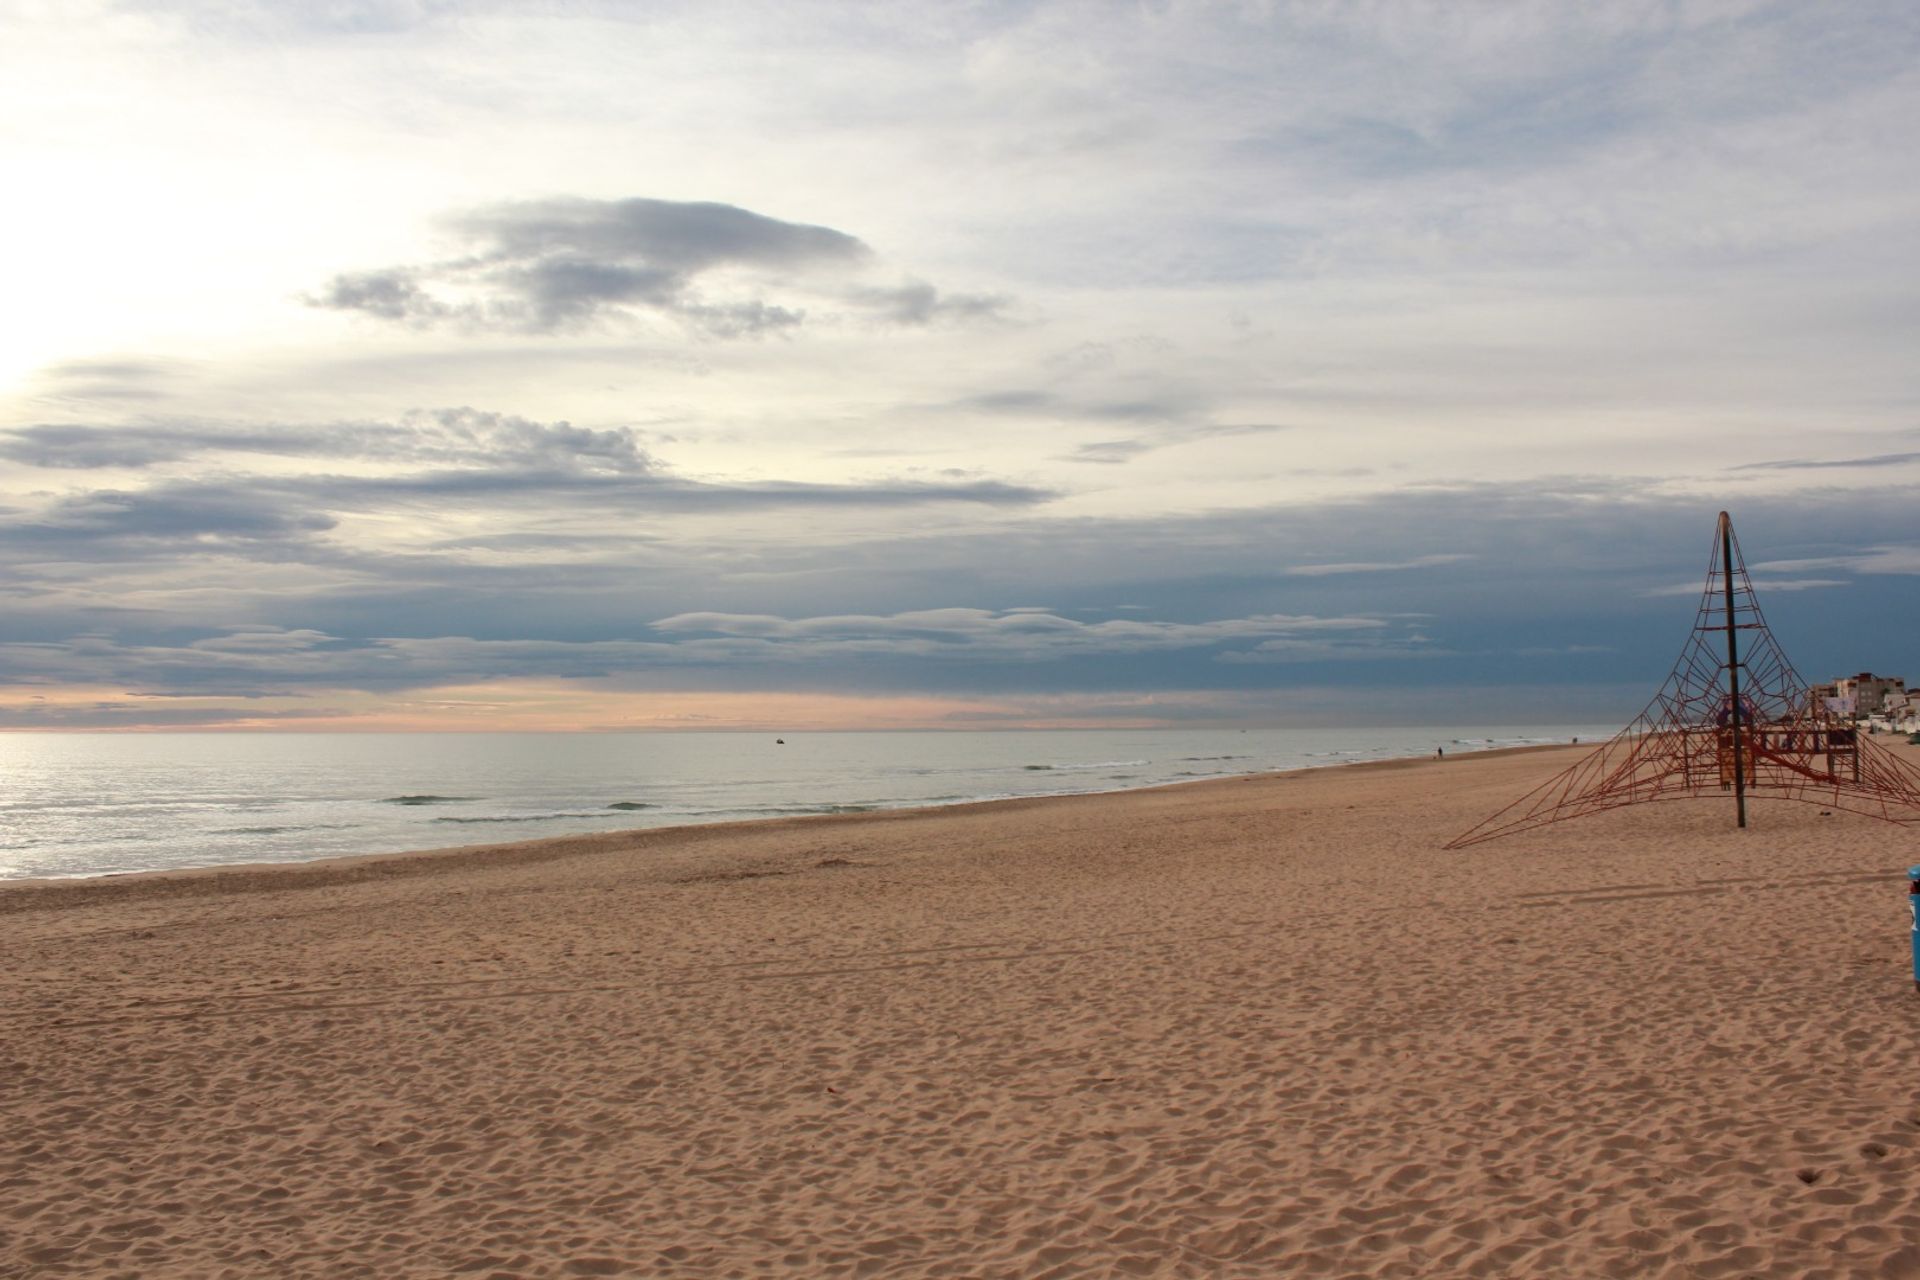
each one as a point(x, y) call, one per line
point(1865, 694)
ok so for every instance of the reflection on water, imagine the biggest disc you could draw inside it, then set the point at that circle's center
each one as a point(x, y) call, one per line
point(88, 804)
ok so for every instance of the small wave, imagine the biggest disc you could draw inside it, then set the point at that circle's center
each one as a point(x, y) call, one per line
point(1088, 767)
point(275, 831)
point(1203, 759)
point(631, 805)
point(562, 816)
point(428, 800)
point(796, 810)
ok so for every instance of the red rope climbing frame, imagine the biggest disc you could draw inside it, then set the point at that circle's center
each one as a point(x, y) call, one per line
point(1734, 719)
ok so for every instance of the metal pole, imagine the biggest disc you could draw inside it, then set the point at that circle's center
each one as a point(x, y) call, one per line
point(1733, 668)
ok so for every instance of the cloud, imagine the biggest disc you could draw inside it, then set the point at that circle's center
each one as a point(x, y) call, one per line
point(917, 303)
point(262, 640)
point(458, 436)
point(969, 633)
point(1169, 436)
point(547, 266)
point(272, 517)
point(1111, 452)
point(387, 576)
point(1374, 566)
point(664, 236)
point(1811, 464)
point(1894, 559)
point(1394, 649)
point(438, 459)
point(1760, 584)
point(1161, 405)
point(392, 294)
point(117, 381)
point(253, 656)
point(1162, 417)
point(206, 518)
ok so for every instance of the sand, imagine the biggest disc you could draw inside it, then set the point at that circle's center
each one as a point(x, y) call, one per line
point(1256, 1027)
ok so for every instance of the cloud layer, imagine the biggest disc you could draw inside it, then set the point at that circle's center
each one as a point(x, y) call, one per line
point(569, 263)
point(1205, 352)
point(284, 565)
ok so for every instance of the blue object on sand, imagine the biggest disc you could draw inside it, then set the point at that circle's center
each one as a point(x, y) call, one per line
point(1913, 909)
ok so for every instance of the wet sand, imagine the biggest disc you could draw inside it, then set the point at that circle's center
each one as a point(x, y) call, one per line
point(1252, 1028)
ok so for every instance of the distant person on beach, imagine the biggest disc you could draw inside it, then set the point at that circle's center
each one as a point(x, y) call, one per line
point(1439, 753)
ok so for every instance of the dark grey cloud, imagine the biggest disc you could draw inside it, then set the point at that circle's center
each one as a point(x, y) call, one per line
point(565, 263)
point(1170, 434)
point(917, 303)
point(1539, 582)
point(167, 520)
point(267, 515)
point(1537, 588)
point(1171, 404)
point(651, 494)
point(232, 663)
point(462, 436)
point(652, 235)
point(391, 294)
point(1022, 401)
point(80, 448)
point(461, 464)
point(1821, 464)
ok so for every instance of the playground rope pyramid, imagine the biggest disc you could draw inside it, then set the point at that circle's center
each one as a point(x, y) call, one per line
point(1733, 719)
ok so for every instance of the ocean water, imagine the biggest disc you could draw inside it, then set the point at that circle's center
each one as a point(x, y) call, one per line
point(98, 804)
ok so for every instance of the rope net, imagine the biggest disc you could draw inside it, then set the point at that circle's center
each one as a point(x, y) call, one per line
point(1697, 739)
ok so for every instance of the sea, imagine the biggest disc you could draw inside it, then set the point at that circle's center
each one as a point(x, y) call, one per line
point(102, 804)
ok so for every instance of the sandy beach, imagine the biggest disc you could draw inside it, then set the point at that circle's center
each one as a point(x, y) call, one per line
point(1257, 1027)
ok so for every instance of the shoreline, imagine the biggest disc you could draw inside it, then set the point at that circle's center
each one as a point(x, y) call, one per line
point(341, 868)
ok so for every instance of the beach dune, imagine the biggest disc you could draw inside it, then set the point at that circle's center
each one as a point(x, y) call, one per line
point(1254, 1027)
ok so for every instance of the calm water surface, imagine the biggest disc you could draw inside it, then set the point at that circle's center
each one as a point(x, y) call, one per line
point(94, 804)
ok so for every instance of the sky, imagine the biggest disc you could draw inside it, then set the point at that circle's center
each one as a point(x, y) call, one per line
point(602, 365)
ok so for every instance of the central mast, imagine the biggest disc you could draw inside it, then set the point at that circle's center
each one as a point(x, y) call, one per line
point(1733, 668)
